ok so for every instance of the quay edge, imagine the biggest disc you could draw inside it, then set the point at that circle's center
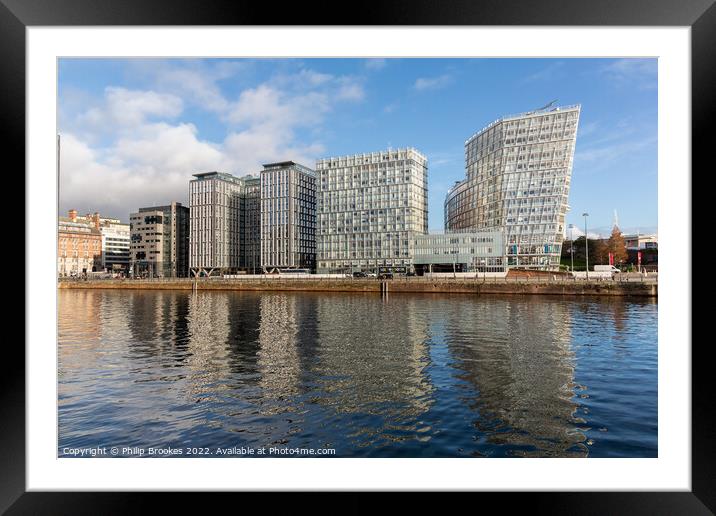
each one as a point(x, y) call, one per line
point(564, 288)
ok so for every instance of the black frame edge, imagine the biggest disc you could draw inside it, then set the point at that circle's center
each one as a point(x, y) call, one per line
point(703, 112)
point(699, 14)
point(12, 379)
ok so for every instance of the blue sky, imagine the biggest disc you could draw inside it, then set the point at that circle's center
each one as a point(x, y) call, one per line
point(135, 130)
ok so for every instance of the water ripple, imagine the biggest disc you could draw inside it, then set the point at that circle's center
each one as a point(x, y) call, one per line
point(412, 376)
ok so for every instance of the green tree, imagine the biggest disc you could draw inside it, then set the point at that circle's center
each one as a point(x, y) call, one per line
point(597, 253)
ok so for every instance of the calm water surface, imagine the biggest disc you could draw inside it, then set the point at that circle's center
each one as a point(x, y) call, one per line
point(409, 375)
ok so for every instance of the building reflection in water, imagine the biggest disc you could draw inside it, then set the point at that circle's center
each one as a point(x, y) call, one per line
point(157, 322)
point(432, 375)
point(371, 363)
point(277, 358)
point(516, 356)
point(79, 328)
point(207, 360)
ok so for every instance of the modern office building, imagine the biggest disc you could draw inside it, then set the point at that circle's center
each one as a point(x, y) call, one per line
point(223, 236)
point(474, 251)
point(288, 216)
point(159, 241)
point(370, 208)
point(115, 245)
point(518, 176)
point(79, 245)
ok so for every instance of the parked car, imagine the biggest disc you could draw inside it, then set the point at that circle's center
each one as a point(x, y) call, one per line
point(371, 275)
point(359, 274)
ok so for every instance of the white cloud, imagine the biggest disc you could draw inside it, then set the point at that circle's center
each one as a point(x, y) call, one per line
point(391, 107)
point(603, 155)
point(575, 232)
point(432, 83)
point(147, 153)
point(376, 64)
point(549, 72)
point(166, 147)
point(351, 92)
point(152, 168)
point(313, 78)
point(265, 105)
point(632, 71)
point(131, 107)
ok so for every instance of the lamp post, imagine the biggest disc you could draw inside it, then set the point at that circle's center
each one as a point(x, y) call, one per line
point(586, 242)
point(571, 243)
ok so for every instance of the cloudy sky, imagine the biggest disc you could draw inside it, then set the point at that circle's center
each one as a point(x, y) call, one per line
point(134, 131)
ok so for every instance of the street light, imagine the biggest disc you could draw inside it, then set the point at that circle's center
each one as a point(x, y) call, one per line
point(586, 241)
point(571, 243)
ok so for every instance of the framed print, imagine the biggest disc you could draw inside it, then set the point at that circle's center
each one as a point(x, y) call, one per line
point(417, 253)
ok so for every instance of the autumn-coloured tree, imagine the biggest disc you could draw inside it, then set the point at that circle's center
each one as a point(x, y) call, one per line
point(601, 251)
point(617, 246)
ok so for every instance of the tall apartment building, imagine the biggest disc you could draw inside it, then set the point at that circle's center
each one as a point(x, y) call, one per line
point(288, 216)
point(159, 244)
point(79, 245)
point(518, 176)
point(223, 236)
point(370, 207)
point(250, 257)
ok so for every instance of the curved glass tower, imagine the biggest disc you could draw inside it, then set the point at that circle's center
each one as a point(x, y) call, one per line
point(518, 175)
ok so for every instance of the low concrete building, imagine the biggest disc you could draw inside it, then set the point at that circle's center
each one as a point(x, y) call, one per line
point(472, 251)
point(640, 242)
point(79, 245)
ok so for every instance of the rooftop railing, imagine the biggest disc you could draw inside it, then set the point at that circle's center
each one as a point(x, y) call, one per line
point(520, 115)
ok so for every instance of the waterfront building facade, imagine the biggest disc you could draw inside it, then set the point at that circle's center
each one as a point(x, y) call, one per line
point(115, 245)
point(250, 256)
point(473, 251)
point(639, 242)
point(518, 173)
point(288, 216)
point(79, 246)
point(218, 237)
point(370, 208)
point(159, 241)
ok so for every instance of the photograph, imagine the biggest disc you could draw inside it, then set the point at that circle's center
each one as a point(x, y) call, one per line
point(357, 257)
point(435, 250)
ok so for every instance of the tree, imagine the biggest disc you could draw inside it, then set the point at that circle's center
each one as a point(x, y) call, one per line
point(617, 246)
point(601, 251)
point(597, 252)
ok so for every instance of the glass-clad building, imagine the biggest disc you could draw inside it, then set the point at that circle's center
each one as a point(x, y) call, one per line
point(370, 207)
point(223, 237)
point(288, 216)
point(518, 172)
point(471, 251)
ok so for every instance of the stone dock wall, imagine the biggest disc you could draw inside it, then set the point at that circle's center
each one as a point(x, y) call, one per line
point(411, 285)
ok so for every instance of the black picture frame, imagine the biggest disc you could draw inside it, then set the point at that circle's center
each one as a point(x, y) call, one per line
point(700, 15)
